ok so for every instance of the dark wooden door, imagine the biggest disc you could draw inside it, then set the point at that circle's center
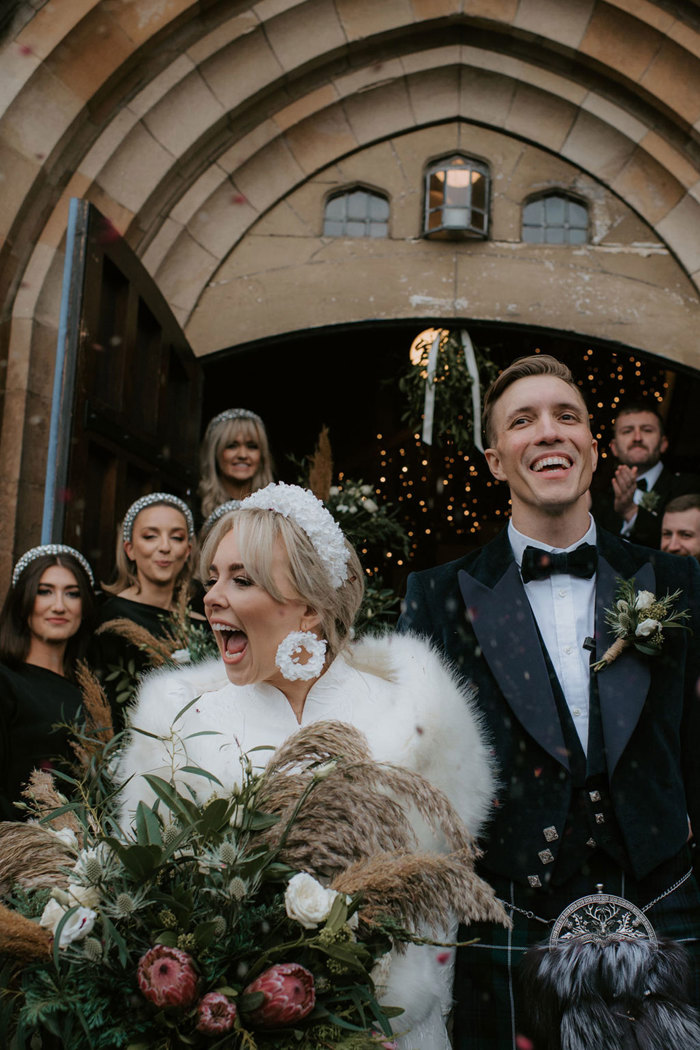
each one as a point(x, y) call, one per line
point(127, 393)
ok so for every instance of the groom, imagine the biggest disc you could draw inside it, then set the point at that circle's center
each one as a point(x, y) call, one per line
point(599, 772)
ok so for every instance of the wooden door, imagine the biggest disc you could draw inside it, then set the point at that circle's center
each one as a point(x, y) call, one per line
point(127, 393)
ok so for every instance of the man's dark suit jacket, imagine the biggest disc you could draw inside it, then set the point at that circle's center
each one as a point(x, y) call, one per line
point(647, 526)
point(476, 610)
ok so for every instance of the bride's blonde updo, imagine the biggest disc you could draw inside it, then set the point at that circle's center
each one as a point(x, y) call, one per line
point(257, 532)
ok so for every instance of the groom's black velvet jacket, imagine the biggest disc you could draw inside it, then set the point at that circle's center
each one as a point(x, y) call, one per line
point(476, 610)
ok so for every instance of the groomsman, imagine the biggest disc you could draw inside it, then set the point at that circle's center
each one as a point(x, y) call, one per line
point(599, 771)
point(642, 485)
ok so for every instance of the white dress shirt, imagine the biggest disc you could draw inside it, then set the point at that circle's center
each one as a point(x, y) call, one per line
point(564, 608)
point(651, 476)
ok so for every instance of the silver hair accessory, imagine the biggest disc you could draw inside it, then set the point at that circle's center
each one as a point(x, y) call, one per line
point(231, 414)
point(309, 513)
point(224, 508)
point(289, 650)
point(149, 501)
point(50, 548)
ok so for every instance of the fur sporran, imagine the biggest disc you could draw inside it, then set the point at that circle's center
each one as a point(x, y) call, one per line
point(611, 990)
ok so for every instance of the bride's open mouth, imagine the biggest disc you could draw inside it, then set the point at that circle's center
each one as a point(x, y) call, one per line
point(232, 642)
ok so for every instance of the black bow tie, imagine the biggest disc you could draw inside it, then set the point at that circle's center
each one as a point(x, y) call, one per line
point(540, 565)
point(642, 485)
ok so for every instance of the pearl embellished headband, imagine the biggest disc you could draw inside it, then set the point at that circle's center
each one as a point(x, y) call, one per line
point(149, 501)
point(223, 508)
point(231, 414)
point(50, 548)
point(309, 513)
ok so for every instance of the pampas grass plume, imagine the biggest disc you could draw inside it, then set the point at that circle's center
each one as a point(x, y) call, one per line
point(21, 938)
point(321, 467)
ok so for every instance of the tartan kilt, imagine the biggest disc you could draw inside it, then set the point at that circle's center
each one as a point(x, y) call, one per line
point(489, 1012)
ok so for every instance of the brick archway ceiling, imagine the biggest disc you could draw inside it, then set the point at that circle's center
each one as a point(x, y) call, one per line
point(166, 113)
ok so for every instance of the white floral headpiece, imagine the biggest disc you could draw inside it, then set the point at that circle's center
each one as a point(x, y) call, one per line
point(50, 548)
point(149, 501)
point(302, 507)
point(229, 414)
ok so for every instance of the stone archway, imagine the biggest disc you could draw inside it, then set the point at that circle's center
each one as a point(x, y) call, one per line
point(193, 126)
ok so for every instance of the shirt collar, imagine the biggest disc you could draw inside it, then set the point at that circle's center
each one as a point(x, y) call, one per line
point(519, 542)
point(652, 475)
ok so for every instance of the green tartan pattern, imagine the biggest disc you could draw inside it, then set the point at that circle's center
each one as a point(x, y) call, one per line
point(489, 1013)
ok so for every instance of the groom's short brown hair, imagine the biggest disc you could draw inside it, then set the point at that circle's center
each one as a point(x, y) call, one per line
point(522, 368)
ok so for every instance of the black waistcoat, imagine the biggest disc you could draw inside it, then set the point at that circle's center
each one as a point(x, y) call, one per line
point(591, 823)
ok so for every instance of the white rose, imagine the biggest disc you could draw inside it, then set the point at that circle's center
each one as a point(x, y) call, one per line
point(647, 627)
point(67, 837)
point(52, 915)
point(79, 925)
point(622, 606)
point(333, 490)
point(87, 896)
point(644, 599)
point(366, 490)
point(307, 901)
point(371, 506)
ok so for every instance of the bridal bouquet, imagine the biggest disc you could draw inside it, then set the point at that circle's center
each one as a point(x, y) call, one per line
point(259, 919)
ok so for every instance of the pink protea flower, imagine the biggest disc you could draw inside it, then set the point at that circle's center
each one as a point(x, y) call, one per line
point(167, 977)
point(215, 1014)
point(289, 995)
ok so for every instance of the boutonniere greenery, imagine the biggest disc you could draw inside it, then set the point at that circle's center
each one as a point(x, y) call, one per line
point(638, 618)
point(650, 501)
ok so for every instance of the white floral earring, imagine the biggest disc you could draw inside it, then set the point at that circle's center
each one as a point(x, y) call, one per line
point(291, 647)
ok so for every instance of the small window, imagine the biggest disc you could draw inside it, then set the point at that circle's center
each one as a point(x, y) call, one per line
point(555, 219)
point(356, 213)
point(457, 193)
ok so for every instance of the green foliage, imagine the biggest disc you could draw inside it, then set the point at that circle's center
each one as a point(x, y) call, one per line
point(453, 390)
point(200, 878)
point(639, 618)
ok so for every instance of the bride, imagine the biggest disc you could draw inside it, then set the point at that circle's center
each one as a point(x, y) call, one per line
point(283, 587)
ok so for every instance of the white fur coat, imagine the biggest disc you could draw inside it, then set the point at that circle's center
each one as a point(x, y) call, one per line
point(396, 689)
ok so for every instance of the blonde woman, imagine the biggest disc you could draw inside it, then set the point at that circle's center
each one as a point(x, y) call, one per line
point(235, 458)
point(152, 567)
point(283, 587)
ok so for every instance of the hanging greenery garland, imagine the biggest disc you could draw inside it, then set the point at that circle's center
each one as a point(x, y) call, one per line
point(445, 390)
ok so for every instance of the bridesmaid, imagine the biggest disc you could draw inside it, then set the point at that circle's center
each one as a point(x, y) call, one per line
point(152, 575)
point(45, 624)
point(235, 458)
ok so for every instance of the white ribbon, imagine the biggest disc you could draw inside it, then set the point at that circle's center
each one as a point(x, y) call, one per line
point(470, 361)
point(429, 405)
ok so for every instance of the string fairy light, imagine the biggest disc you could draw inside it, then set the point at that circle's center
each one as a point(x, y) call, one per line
point(447, 495)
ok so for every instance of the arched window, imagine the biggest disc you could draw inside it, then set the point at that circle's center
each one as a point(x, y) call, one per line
point(457, 193)
point(555, 219)
point(356, 213)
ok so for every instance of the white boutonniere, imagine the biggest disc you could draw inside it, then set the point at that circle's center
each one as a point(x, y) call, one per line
point(638, 618)
point(650, 501)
